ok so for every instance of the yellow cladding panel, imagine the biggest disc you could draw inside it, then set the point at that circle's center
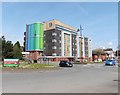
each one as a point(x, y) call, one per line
point(67, 44)
point(65, 25)
point(51, 25)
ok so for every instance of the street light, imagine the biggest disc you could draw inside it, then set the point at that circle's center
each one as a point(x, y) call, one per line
point(81, 43)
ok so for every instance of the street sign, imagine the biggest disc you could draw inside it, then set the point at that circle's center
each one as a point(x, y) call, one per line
point(11, 62)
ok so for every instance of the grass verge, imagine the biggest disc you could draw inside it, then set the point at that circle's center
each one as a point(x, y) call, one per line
point(35, 66)
point(24, 65)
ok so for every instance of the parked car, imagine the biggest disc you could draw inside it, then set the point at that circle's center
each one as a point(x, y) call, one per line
point(65, 63)
point(110, 62)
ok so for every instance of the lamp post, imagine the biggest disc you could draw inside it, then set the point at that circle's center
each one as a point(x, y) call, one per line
point(81, 43)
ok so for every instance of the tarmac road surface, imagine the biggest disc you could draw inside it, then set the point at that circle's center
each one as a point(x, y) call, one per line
point(93, 78)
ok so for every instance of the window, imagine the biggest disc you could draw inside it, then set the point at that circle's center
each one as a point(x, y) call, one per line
point(64, 53)
point(54, 54)
point(54, 34)
point(54, 40)
point(86, 43)
point(60, 41)
point(86, 39)
point(86, 48)
point(54, 47)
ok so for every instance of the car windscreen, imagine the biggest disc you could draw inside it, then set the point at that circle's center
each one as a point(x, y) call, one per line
point(62, 61)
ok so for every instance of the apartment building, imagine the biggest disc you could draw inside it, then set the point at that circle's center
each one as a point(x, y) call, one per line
point(60, 40)
point(84, 51)
point(56, 40)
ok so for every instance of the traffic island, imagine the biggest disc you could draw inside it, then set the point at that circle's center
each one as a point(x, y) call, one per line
point(31, 68)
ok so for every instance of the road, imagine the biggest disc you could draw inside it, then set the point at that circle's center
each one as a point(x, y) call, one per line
point(94, 78)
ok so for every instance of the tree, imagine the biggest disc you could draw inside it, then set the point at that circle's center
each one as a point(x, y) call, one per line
point(17, 50)
point(98, 51)
point(10, 51)
point(3, 46)
point(7, 48)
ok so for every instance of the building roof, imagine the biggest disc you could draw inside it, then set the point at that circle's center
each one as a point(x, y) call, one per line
point(35, 23)
point(108, 49)
point(52, 25)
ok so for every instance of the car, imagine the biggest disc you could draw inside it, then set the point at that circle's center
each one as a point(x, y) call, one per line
point(110, 62)
point(65, 63)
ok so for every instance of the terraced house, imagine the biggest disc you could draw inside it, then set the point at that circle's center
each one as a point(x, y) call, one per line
point(56, 40)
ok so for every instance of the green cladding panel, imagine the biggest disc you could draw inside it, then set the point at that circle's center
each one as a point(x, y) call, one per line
point(39, 36)
point(37, 29)
point(29, 43)
point(37, 42)
point(32, 30)
point(41, 43)
point(35, 37)
point(42, 31)
point(32, 43)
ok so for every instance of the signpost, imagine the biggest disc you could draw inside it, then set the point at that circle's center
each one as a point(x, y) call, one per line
point(11, 62)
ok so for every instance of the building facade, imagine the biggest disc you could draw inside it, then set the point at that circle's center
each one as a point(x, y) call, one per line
point(52, 43)
point(57, 40)
point(84, 51)
point(34, 37)
point(60, 40)
point(34, 40)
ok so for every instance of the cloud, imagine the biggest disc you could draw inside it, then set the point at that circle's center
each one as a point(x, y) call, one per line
point(110, 43)
point(83, 10)
point(102, 47)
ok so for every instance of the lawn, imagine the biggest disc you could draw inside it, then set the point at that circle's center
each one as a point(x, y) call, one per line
point(35, 66)
point(23, 67)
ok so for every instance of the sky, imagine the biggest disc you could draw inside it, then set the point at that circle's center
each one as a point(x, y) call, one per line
point(99, 20)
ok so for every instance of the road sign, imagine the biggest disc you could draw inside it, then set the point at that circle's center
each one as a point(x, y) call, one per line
point(11, 62)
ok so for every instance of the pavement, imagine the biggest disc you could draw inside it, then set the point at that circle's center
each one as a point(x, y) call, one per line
point(90, 78)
